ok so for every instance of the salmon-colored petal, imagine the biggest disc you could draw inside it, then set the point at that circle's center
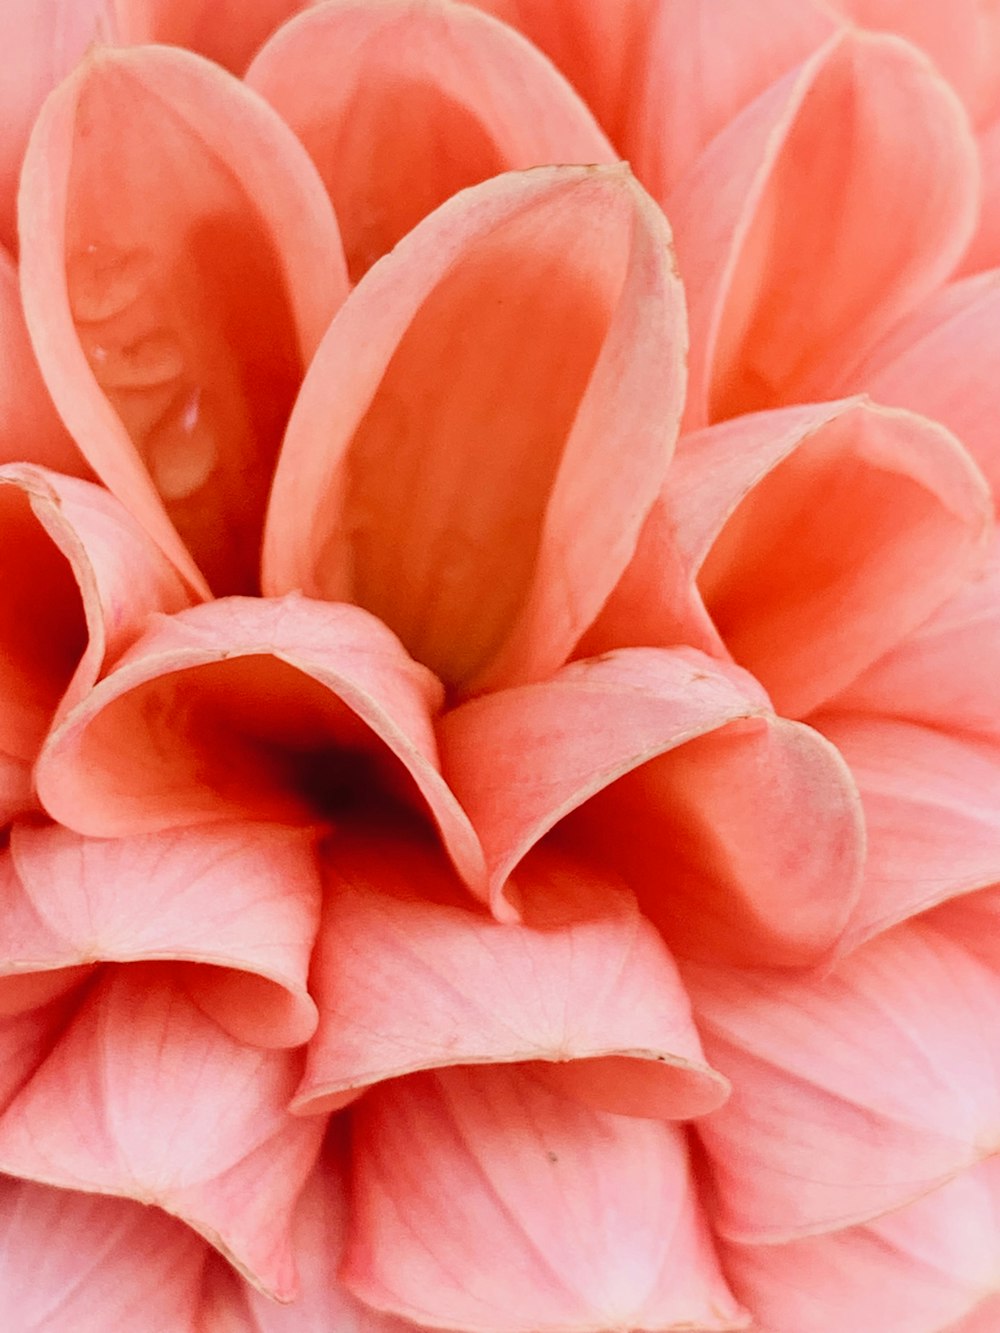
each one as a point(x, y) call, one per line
point(172, 330)
point(972, 920)
point(931, 814)
point(853, 1094)
point(804, 526)
point(774, 222)
point(912, 1271)
point(241, 898)
point(984, 248)
point(466, 1177)
point(487, 422)
point(403, 104)
point(684, 779)
point(407, 977)
point(26, 1037)
point(78, 1262)
point(288, 710)
point(227, 31)
point(146, 1097)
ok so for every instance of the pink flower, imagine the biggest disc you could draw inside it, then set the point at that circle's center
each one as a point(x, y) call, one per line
point(499, 753)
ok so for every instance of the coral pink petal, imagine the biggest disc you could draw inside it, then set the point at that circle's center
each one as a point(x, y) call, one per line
point(853, 1094)
point(240, 900)
point(408, 977)
point(78, 1262)
point(375, 91)
point(487, 422)
point(931, 815)
point(227, 31)
point(973, 920)
point(288, 710)
point(912, 1271)
point(774, 222)
point(466, 1177)
point(144, 1096)
point(172, 330)
point(26, 1037)
point(984, 248)
point(691, 786)
point(805, 525)
point(985, 1318)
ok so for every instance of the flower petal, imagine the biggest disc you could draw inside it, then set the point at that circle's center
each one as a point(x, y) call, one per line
point(487, 422)
point(984, 248)
point(172, 330)
point(774, 223)
point(465, 1177)
point(227, 31)
point(146, 1097)
point(428, 98)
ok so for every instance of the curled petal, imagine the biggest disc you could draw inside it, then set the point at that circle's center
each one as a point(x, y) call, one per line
point(172, 330)
point(409, 977)
point(146, 1097)
point(853, 1094)
point(464, 1177)
point(774, 222)
point(486, 423)
point(403, 104)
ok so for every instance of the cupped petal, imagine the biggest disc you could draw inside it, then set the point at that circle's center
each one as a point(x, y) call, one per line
point(464, 1177)
point(486, 423)
point(288, 710)
point(683, 781)
point(409, 977)
point(774, 223)
point(403, 104)
point(854, 1093)
point(237, 905)
point(804, 525)
point(227, 31)
point(27, 1036)
point(173, 329)
point(146, 1097)
point(913, 1271)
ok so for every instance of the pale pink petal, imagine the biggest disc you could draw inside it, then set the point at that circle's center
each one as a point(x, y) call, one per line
point(705, 807)
point(984, 248)
point(774, 223)
point(912, 1271)
point(242, 899)
point(985, 1318)
point(403, 104)
point(408, 977)
point(78, 1263)
point(487, 422)
point(804, 526)
point(288, 710)
point(172, 329)
point(146, 1097)
point(227, 31)
point(853, 1094)
point(471, 1180)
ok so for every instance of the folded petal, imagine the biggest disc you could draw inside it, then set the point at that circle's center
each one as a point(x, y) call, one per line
point(287, 710)
point(146, 1097)
point(853, 1094)
point(465, 1177)
point(774, 222)
point(403, 104)
point(172, 329)
point(239, 903)
point(739, 832)
point(408, 977)
point(487, 422)
point(80, 1262)
point(804, 525)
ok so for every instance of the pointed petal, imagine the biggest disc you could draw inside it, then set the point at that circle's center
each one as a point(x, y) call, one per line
point(408, 77)
point(242, 899)
point(464, 1177)
point(853, 1094)
point(804, 526)
point(537, 313)
point(773, 223)
point(283, 710)
point(173, 329)
point(146, 1097)
point(408, 977)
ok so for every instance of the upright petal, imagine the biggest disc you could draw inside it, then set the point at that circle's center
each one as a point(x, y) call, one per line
point(403, 104)
point(172, 329)
point(487, 422)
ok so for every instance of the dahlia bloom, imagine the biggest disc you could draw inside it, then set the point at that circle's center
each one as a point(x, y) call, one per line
point(499, 635)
